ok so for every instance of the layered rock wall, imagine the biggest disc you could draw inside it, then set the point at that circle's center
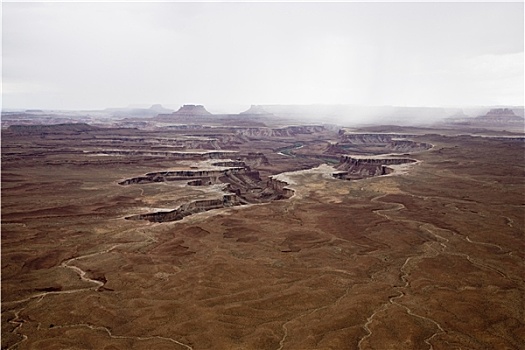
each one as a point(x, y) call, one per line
point(181, 175)
point(244, 186)
point(408, 146)
point(228, 200)
point(352, 168)
point(376, 143)
point(280, 186)
point(367, 138)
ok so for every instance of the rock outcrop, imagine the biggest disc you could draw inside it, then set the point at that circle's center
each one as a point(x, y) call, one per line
point(407, 146)
point(158, 108)
point(499, 116)
point(192, 110)
point(360, 139)
point(496, 117)
point(253, 159)
point(228, 200)
point(280, 186)
point(375, 143)
point(187, 114)
point(256, 110)
point(242, 186)
point(183, 175)
point(354, 168)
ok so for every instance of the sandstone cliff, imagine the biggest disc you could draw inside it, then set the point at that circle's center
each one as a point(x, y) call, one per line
point(375, 143)
point(228, 200)
point(242, 186)
point(352, 168)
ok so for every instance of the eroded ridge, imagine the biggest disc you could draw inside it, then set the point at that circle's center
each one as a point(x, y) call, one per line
point(376, 143)
point(241, 186)
point(228, 200)
point(357, 167)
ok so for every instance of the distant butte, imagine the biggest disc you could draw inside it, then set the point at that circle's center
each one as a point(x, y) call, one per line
point(255, 109)
point(496, 117)
point(500, 115)
point(197, 114)
point(191, 110)
point(159, 108)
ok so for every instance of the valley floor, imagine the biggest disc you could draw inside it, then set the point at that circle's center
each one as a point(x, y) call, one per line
point(428, 258)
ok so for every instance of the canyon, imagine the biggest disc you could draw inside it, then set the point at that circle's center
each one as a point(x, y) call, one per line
point(259, 235)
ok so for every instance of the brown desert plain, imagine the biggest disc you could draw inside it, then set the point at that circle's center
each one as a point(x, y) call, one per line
point(303, 237)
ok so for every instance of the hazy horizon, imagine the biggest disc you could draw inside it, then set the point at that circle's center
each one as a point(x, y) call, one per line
point(92, 56)
point(238, 108)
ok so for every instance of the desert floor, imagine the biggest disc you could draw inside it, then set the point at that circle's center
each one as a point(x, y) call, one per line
point(429, 257)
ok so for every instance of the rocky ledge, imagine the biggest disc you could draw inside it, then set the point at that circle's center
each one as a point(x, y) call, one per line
point(228, 200)
point(354, 168)
point(242, 186)
point(389, 141)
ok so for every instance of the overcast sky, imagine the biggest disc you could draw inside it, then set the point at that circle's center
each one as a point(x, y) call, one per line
point(97, 55)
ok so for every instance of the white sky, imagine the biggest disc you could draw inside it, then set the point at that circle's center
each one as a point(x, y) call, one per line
point(97, 55)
